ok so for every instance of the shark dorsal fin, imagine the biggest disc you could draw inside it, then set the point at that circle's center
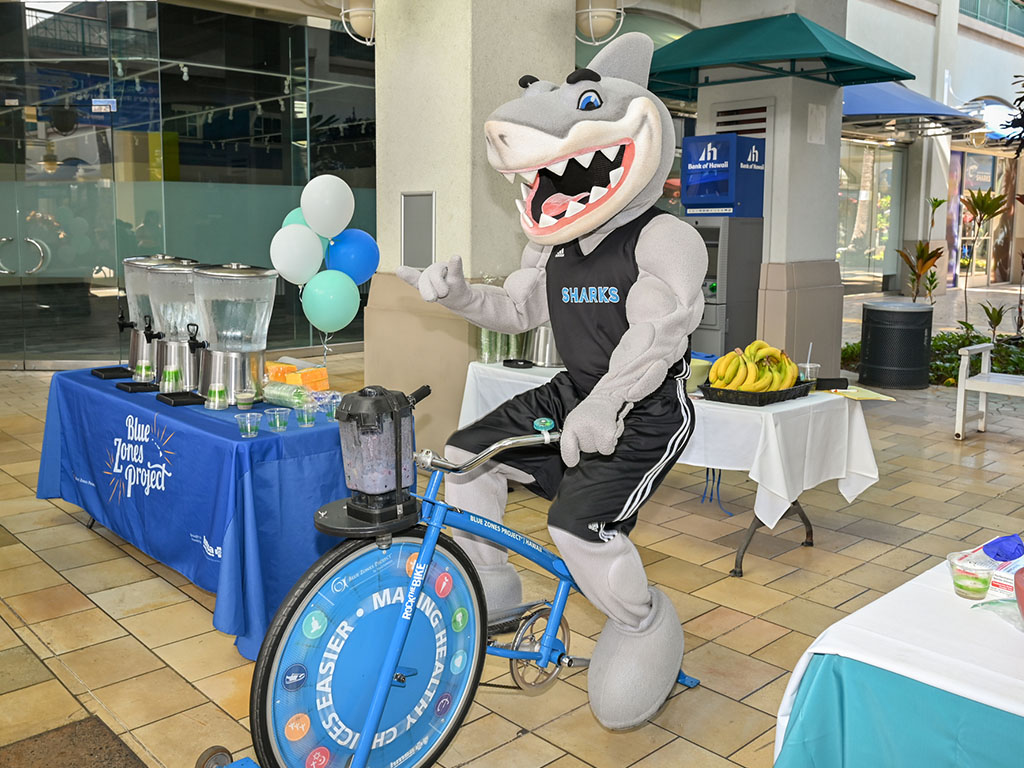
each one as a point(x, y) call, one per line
point(627, 57)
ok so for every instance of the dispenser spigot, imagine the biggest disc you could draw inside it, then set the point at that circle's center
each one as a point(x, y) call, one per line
point(193, 342)
point(151, 335)
point(121, 322)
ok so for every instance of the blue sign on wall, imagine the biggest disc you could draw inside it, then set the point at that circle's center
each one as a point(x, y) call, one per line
point(723, 175)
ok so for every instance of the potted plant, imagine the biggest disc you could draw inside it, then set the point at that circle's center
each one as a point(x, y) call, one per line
point(982, 206)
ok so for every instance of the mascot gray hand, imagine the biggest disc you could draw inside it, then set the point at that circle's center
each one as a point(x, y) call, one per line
point(593, 426)
point(443, 283)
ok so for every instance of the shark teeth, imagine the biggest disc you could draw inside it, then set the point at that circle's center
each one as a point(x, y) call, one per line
point(611, 152)
point(559, 167)
point(615, 176)
point(530, 176)
point(546, 221)
point(596, 193)
point(521, 207)
point(574, 208)
point(584, 159)
point(524, 191)
point(510, 177)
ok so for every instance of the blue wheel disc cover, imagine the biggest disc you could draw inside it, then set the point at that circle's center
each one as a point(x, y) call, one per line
point(328, 666)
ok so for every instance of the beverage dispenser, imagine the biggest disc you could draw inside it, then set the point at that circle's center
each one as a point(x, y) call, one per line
point(234, 302)
point(175, 318)
point(138, 271)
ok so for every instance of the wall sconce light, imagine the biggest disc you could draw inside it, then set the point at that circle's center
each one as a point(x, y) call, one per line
point(359, 20)
point(598, 21)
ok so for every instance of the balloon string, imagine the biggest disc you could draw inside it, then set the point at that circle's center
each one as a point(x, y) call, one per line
point(324, 338)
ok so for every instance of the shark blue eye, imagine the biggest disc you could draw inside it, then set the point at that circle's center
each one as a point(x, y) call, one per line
point(588, 101)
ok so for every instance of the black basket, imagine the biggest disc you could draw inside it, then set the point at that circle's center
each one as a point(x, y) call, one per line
point(735, 397)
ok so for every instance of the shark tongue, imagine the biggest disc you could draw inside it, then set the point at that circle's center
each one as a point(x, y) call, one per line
point(557, 203)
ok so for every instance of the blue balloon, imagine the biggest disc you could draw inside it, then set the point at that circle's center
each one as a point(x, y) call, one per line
point(295, 217)
point(355, 253)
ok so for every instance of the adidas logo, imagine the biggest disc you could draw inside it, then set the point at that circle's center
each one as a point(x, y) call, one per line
point(559, 253)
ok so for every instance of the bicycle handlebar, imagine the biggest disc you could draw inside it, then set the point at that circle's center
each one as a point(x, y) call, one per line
point(427, 459)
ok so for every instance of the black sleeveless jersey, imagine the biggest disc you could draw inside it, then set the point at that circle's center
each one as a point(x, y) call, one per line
point(587, 299)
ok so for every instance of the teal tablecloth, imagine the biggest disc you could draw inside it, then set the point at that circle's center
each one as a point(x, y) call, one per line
point(849, 714)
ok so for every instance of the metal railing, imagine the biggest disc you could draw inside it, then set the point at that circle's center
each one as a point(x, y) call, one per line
point(1004, 14)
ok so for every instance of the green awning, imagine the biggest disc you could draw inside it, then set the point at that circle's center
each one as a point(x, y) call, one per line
point(778, 46)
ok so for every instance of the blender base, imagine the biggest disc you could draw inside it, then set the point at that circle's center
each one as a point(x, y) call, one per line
point(114, 372)
point(334, 519)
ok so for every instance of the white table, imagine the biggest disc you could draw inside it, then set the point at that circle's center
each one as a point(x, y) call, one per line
point(923, 632)
point(785, 448)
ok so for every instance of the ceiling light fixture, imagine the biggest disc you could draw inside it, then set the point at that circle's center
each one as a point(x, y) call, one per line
point(359, 19)
point(598, 21)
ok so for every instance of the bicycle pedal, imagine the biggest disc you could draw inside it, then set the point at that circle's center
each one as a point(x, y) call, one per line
point(574, 662)
point(507, 620)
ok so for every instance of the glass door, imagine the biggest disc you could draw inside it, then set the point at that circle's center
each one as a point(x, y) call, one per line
point(60, 280)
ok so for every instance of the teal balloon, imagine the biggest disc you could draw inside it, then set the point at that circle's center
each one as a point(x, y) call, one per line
point(355, 253)
point(330, 300)
point(295, 217)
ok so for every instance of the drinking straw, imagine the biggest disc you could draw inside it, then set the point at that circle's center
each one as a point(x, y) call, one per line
point(809, 348)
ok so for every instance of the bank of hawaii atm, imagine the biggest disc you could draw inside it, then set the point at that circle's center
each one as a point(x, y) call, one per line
point(722, 189)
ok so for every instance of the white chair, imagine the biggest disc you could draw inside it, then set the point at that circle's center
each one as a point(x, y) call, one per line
point(984, 383)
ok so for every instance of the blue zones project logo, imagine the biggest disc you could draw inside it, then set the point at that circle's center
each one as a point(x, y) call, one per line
point(140, 459)
point(602, 294)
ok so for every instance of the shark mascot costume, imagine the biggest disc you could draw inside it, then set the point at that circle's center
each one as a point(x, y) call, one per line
point(620, 283)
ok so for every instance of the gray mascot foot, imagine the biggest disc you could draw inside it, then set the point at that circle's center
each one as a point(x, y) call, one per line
point(633, 670)
point(503, 588)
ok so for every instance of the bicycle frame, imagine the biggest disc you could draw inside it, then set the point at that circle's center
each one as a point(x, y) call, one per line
point(435, 515)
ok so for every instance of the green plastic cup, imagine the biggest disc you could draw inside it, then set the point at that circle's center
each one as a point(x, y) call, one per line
point(305, 414)
point(248, 423)
point(277, 419)
point(216, 397)
point(970, 581)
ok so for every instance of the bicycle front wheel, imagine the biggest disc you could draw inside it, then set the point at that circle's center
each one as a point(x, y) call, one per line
point(322, 656)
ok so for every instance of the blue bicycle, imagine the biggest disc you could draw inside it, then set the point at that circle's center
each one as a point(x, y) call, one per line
point(375, 656)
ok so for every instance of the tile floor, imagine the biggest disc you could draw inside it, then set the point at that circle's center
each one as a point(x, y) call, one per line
point(92, 625)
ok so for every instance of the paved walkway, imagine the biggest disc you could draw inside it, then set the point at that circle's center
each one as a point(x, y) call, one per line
point(89, 624)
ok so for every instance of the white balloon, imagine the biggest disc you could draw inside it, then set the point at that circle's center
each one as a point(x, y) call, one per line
point(296, 253)
point(327, 205)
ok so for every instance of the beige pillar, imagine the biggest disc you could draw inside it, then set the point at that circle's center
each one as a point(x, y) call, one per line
point(441, 68)
point(800, 298)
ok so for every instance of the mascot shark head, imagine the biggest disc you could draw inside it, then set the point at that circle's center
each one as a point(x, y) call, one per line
point(594, 152)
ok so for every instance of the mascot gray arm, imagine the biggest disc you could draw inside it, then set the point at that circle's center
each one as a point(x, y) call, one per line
point(517, 306)
point(663, 307)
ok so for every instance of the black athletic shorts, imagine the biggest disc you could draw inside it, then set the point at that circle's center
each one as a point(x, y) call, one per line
point(601, 494)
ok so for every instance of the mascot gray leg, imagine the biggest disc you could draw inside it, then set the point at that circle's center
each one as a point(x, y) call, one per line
point(485, 492)
point(640, 650)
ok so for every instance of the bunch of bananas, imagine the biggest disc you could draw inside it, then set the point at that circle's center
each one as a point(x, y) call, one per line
point(758, 368)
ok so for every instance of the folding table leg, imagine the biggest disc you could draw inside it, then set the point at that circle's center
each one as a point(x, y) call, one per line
point(808, 530)
point(91, 523)
point(751, 530)
point(756, 523)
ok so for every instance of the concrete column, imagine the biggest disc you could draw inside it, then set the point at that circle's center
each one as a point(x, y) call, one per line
point(441, 68)
point(800, 298)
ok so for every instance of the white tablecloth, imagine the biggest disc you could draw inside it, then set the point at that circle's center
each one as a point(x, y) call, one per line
point(923, 631)
point(784, 448)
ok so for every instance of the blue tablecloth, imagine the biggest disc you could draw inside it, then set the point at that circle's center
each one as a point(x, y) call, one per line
point(851, 714)
point(233, 515)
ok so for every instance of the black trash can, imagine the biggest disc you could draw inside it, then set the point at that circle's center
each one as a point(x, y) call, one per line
point(895, 344)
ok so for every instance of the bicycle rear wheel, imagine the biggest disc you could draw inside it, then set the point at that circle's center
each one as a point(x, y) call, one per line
point(320, 660)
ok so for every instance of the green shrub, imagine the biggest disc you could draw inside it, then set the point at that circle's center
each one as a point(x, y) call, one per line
point(850, 356)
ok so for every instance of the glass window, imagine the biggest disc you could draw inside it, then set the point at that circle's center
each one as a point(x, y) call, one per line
point(870, 213)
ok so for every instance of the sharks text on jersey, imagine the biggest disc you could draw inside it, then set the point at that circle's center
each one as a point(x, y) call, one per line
point(602, 294)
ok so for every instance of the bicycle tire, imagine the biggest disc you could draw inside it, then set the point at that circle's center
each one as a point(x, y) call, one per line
point(298, 647)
